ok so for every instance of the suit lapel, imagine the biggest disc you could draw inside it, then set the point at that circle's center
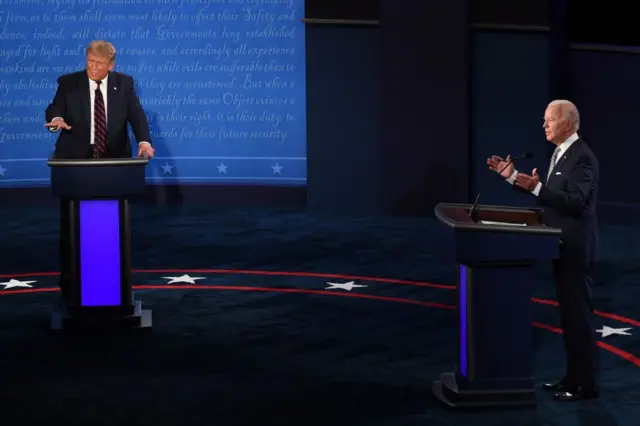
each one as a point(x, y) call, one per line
point(85, 99)
point(563, 159)
point(112, 111)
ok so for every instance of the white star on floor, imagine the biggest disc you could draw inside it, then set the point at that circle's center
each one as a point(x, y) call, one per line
point(343, 286)
point(183, 279)
point(608, 331)
point(2, 170)
point(16, 283)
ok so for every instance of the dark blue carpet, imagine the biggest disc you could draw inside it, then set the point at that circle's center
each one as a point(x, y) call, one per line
point(240, 347)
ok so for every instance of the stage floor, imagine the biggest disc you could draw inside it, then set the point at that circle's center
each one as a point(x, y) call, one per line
point(284, 318)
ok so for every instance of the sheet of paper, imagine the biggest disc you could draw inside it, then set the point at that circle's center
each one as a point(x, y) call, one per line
point(488, 222)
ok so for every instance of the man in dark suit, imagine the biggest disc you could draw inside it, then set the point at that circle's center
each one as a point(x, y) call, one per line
point(91, 110)
point(568, 194)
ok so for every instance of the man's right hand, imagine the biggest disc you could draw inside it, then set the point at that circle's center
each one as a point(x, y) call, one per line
point(56, 124)
point(504, 166)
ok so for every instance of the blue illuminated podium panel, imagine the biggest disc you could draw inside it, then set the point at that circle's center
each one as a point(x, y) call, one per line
point(494, 249)
point(100, 262)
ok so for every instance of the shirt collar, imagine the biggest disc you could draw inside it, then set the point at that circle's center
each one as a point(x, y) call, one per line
point(564, 146)
point(104, 83)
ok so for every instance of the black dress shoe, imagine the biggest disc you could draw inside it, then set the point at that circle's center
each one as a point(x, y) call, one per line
point(555, 387)
point(575, 393)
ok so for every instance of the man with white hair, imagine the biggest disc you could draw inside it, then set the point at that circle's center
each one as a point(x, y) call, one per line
point(568, 194)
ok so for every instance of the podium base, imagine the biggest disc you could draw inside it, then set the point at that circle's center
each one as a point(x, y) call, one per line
point(139, 320)
point(447, 391)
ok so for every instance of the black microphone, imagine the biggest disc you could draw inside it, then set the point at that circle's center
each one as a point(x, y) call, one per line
point(474, 208)
point(519, 157)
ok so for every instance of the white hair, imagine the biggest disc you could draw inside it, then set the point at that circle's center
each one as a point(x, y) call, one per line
point(569, 112)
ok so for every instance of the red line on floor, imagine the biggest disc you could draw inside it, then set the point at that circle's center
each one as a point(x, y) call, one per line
point(606, 346)
point(295, 290)
point(256, 272)
point(610, 348)
point(607, 315)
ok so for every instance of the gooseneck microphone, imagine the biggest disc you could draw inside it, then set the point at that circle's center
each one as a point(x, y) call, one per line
point(474, 209)
point(519, 157)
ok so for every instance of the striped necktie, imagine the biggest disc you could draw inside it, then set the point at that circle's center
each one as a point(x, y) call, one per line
point(99, 124)
point(554, 160)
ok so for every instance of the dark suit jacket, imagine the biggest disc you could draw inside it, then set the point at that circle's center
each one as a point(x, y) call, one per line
point(568, 199)
point(72, 102)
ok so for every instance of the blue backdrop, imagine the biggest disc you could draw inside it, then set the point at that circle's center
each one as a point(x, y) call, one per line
point(222, 83)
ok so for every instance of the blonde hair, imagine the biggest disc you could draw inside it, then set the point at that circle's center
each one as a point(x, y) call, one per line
point(569, 112)
point(102, 48)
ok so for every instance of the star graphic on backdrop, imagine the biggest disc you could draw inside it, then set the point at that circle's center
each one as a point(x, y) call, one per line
point(167, 168)
point(277, 169)
point(2, 170)
point(344, 286)
point(16, 283)
point(222, 168)
point(183, 279)
point(608, 331)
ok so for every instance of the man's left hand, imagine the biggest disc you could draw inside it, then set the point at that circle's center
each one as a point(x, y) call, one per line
point(145, 148)
point(528, 182)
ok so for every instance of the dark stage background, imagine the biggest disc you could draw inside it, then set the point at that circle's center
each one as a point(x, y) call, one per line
point(445, 101)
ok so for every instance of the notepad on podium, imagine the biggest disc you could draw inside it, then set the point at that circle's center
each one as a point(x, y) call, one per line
point(491, 222)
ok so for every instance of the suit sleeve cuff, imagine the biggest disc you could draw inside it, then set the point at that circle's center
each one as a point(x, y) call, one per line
point(512, 179)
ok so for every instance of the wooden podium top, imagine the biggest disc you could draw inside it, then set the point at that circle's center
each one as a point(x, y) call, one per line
point(502, 218)
point(91, 162)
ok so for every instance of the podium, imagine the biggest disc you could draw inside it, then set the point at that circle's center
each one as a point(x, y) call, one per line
point(495, 249)
point(96, 235)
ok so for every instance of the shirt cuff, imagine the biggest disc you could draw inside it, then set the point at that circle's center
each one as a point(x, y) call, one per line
point(140, 143)
point(536, 190)
point(512, 179)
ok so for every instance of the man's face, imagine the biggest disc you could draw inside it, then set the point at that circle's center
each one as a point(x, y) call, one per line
point(98, 67)
point(556, 128)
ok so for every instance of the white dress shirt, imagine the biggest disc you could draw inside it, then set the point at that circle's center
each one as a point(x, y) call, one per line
point(563, 147)
point(92, 93)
